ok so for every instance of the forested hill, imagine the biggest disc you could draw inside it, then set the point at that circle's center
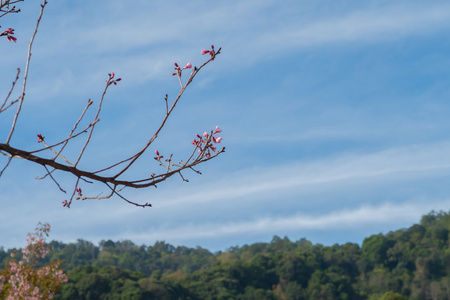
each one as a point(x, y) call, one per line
point(412, 263)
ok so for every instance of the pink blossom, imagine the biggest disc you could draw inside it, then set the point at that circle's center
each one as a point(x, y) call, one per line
point(205, 134)
point(208, 155)
point(187, 66)
point(213, 148)
point(217, 130)
point(217, 140)
point(210, 52)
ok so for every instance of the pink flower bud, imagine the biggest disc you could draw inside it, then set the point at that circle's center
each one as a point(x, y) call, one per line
point(187, 66)
point(205, 134)
point(204, 51)
point(157, 155)
point(217, 140)
point(40, 138)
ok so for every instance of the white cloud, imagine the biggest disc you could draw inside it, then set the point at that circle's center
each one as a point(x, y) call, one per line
point(343, 220)
point(392, 164)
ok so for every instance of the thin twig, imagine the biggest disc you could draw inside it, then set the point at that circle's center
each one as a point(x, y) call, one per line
point(130, 202)
point(57, 154)
point(75, 127)
point(3, 108)
point(96, 119)
point(7, 164)
point(25, 77)
point(48, 172)
point(63, 141)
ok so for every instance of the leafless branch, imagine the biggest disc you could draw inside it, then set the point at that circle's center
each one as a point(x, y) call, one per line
point(204, 147)
point(25, 77)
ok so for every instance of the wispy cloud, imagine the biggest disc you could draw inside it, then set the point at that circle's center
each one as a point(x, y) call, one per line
point(156, 35)
point(397, 163)
point(369, 25)
point(253, 202)
point(343, 220)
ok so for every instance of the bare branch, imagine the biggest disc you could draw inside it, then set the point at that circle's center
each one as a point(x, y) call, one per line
point(191, 77)
point(204, 149)
point(25, 77)
point(141, 183)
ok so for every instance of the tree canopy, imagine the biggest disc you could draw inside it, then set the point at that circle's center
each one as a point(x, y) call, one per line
point(410, 263)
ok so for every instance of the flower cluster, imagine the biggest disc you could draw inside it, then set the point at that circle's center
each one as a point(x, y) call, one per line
point(204, 144)
point(111, 79)
point(80, 194)
point(210, 52)
point(178, 70)
point(23, 280)
point(9, 35)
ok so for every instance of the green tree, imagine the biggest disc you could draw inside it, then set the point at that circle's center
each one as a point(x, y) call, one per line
point(393, 296)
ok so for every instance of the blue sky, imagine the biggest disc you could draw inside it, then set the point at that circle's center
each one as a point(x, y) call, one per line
point(335, 117)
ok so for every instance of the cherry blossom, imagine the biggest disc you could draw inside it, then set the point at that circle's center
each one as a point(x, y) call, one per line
point(217, 130)
point(210, 52)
